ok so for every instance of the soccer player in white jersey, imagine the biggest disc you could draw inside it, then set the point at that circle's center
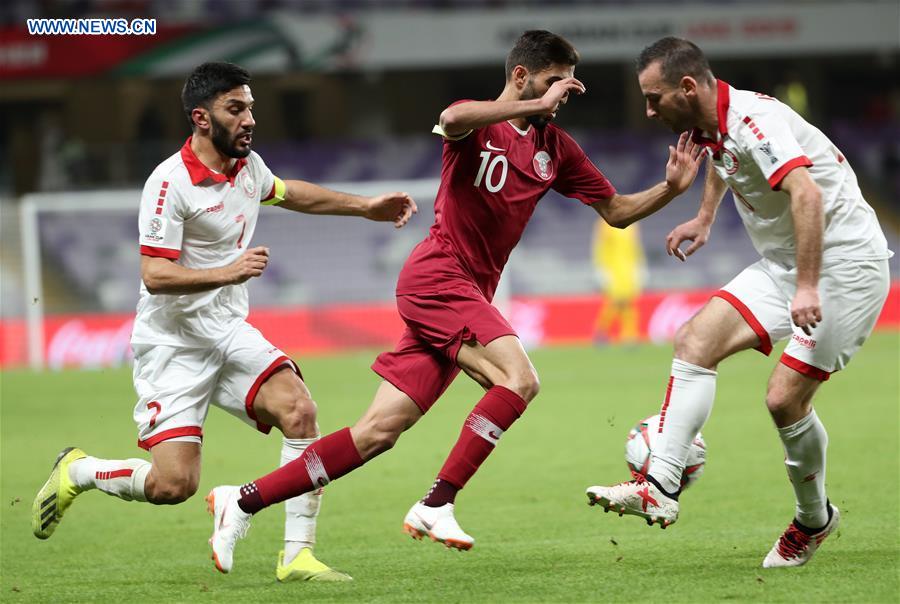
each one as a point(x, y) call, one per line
point(822, 281)
point(192, 344)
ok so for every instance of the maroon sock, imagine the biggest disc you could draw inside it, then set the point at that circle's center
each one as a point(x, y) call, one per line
point(493, 415)
point(325, 460)
point(441, 492)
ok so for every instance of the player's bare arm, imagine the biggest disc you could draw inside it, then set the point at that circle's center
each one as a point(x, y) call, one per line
point(681, 170)
point(697, 229)
point(164, 276)
point(302, 196)
point(459, 119)
point(809, 227)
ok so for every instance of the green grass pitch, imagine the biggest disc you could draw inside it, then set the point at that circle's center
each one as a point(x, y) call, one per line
point(536, 538)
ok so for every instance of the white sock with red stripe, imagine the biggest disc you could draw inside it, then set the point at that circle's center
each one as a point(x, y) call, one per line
point(688, 403)
point(300, 513)
point(123, 478)
point(804, 456)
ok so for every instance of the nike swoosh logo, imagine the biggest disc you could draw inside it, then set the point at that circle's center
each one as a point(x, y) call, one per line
point(493, 148)
point(427, 525)
point(492, 435)
point(222, 519)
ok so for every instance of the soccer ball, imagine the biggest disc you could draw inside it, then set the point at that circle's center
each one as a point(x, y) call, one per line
point(640, 443)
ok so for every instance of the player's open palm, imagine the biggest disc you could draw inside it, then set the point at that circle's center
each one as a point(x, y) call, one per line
point(392, 207)
point(696, 231)
point(559, 93)
point(683, 164)
point(252, 263)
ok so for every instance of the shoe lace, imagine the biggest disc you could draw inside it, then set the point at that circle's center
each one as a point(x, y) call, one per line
point(636, 478)
point(792, 543)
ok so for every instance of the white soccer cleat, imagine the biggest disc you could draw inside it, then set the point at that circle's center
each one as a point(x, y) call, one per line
point(230, 523)
point(638, 498)
point(795, 548)
point(437, 523)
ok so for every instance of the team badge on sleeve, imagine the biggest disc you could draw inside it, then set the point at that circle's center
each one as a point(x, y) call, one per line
point(767, 152)
point(543, 165)
point(156, 230)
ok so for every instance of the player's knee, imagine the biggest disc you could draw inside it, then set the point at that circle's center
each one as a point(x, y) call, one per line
point(299, 418)
point(778, 401)
point(526, 384)
point(172, 489)
point(376, 436)
point(690, 346)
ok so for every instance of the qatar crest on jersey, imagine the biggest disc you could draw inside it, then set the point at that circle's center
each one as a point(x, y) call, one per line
point(248, 185)
point(730, 161)
point(542, 165)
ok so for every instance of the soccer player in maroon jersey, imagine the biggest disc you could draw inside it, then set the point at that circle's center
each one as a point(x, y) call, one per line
point(499, 158)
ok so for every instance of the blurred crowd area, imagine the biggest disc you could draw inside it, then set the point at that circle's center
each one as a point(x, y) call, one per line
point(225, 10)
point(339, 120)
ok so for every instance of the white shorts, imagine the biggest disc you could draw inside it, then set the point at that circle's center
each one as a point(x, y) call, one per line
point(851, 293)
point(175, 386)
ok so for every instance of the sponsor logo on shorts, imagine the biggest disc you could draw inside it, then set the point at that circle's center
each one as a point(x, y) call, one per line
point(805, 342)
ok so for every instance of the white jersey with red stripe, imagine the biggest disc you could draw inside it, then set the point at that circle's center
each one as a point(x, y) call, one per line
point(200, 219)
point(759, 141)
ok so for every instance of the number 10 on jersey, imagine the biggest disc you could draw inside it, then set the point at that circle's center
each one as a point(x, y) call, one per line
point(489, 166)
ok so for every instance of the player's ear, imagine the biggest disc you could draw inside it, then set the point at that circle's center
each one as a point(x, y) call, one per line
point(688, 86)
point(520, 76)
point(200, 118)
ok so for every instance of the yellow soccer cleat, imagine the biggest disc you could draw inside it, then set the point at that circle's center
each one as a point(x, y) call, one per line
point(305, 567)
point(56, 495)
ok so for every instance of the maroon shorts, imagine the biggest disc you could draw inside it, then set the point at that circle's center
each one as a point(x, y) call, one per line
point(424, 362)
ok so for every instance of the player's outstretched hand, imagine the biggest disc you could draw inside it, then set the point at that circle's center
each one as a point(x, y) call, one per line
point(392, 207)
point(806, 311)
point(684, 161)
point(559, 92)
point(252, 263)
point(695, 230)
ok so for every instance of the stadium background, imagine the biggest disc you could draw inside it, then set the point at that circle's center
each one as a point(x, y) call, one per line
point(347, 92)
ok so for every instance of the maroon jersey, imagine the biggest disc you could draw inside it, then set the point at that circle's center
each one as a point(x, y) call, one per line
point(491, 181)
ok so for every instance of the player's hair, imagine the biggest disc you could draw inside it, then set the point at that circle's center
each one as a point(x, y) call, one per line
point(677, 58)
point(537, 49)
point(208, 81)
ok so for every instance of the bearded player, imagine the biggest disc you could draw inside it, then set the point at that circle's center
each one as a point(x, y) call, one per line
point(192, 344)
point(499, 158)
point(822, 281)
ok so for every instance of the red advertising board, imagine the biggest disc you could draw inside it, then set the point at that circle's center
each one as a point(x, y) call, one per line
point(102, 340)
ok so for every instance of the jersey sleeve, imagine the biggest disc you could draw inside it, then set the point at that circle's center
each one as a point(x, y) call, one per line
point(161, 219)
point(271, 187)
point(451, 139)
point(773, 147)
point(578, 177)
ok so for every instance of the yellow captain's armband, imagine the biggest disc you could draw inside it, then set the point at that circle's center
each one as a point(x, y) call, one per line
point(440, 132)
point(278, 191)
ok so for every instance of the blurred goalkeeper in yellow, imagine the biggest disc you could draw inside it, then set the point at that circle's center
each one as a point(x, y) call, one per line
point(619, 261)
